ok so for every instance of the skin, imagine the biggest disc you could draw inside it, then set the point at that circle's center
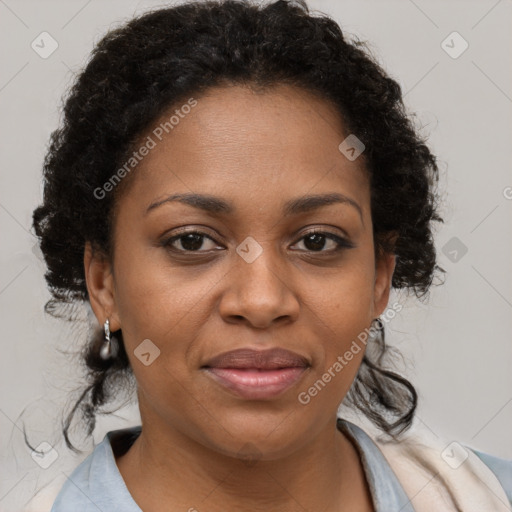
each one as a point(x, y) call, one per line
point(256, 150)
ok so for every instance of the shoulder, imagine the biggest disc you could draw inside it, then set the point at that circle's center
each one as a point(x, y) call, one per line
point(77, 492)
point(440, 474)
point(96, 483)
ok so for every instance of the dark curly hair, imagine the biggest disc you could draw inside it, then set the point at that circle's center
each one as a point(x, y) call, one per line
point(150, 64)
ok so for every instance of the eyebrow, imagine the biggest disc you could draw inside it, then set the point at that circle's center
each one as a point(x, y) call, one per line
point(217, 205)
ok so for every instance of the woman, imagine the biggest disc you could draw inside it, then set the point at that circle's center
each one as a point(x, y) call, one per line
point(234, 191)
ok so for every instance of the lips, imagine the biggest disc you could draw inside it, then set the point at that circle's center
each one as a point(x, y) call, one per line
point(270, 359)
point(257, 374)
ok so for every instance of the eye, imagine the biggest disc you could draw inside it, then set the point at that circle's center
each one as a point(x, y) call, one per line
point(315, 241)
point(190, 241)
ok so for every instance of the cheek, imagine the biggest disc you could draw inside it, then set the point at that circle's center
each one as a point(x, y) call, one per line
point(345, 301)
point(157, 313)
point(343, 348)
point(152, 295)
point(170, 307)
point(343, 314)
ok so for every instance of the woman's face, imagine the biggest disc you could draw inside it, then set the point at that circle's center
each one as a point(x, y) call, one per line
point(253, 277)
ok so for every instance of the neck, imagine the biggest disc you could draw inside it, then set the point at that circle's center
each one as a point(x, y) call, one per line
point(325, 474)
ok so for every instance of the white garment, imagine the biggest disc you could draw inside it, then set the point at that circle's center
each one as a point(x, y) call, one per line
point(429, 471)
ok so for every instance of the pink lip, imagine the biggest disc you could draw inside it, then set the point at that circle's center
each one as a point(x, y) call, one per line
point(257, 374)
point(255, 384)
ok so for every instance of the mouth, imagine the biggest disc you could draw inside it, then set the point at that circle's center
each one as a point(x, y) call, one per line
point(257, 374)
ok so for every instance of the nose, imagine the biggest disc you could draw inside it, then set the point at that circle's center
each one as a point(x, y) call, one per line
point(259, 293)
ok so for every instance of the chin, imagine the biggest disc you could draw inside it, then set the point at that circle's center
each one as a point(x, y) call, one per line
point(260, 435)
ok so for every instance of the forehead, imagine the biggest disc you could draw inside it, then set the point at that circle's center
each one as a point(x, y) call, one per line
point(262, 147)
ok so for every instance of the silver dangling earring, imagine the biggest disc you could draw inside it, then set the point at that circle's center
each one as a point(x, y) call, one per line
point(107, 350)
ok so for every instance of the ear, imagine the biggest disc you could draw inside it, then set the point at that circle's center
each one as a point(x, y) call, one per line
point(384, 269)
point(100, 286)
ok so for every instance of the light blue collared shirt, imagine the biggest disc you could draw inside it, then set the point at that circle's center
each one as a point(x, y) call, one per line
point(96, 485)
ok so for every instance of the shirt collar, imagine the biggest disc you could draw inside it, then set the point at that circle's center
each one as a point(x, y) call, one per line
point(387, 492)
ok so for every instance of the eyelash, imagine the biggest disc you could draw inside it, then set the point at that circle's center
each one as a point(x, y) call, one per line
point(342, 242)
